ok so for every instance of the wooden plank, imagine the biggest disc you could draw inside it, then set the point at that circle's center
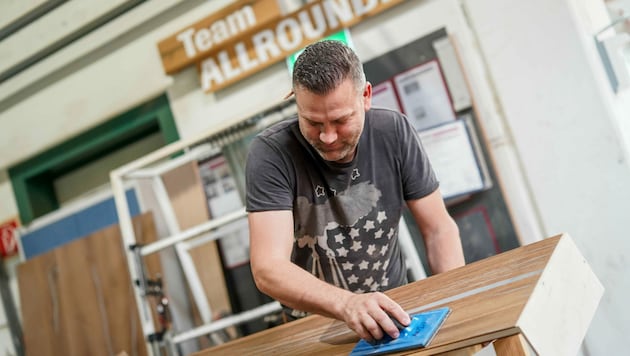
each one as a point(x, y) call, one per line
point(185, 191)
point(470, 316)
point(145, 232)
point(39, 304)
point(188, 200)
point(486, 298)
point(114, 285)
point(513, 345)
point(77, 300)
point(212, 277)
point(81, 303)
point(490, 299)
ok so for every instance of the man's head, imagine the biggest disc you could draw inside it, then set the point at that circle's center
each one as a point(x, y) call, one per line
point(332, 97)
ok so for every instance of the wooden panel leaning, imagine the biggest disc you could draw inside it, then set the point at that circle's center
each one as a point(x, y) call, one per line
point(544, 293)
point(77, 298)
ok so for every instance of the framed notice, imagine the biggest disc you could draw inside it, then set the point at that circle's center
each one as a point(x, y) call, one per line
point(454, 154)
point(424, 96)
point(384, 96)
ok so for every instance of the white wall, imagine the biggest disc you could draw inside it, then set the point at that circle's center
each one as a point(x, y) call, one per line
point(196, 112)
point(557, 104)
point(50, 28)
point(13, 9)
point(115, 81)
point(8, 208)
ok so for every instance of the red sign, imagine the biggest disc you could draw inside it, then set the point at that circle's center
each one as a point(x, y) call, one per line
point(8, 242)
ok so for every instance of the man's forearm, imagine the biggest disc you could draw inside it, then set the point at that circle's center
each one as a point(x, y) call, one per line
point(439, 231)
point(298, 289)
point(444, 249)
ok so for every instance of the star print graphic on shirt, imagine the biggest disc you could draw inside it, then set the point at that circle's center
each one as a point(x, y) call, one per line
point(346, 249)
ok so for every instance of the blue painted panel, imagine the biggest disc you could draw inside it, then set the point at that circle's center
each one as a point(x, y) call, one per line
point(102, 215)
point(48, 237)
point(75, 226)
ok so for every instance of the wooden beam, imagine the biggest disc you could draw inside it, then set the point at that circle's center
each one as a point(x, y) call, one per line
point(514, 345)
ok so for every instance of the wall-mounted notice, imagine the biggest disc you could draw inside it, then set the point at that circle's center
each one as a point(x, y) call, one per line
point(384, 96)
point(424, 96)
point(453, 157)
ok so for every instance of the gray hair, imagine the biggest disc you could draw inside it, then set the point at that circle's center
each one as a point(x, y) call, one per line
point(324, 65)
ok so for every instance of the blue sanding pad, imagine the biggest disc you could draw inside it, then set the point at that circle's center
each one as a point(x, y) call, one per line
point(418, 334)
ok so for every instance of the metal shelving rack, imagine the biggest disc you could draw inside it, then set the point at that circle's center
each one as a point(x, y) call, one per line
point(151, 167)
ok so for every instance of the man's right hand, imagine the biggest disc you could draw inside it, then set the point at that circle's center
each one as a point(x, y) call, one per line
point(370, 314)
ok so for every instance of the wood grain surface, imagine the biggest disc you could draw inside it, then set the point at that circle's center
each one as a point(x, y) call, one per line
point(487, 299)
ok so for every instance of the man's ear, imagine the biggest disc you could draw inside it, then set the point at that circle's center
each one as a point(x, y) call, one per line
point(367, 96)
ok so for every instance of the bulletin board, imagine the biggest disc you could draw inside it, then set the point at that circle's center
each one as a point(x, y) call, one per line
point(470, 187)
point(454, 153)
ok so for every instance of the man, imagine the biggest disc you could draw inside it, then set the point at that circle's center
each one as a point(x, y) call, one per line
point(325, 193)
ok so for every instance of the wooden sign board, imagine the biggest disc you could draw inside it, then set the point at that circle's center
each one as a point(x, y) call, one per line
point(249, 36)
point(194, 42)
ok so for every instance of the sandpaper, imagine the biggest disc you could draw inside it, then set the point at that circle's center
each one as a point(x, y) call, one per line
point(417, 334)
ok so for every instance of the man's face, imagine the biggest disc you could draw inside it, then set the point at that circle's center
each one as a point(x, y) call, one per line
point(332, 123)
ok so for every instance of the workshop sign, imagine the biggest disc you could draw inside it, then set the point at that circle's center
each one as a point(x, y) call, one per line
point(195, 42)
point(247, 36)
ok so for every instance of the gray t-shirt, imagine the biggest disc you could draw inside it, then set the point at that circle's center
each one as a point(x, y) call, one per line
point(345, 215)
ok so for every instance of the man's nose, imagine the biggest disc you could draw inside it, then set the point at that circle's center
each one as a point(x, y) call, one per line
point(328, 134)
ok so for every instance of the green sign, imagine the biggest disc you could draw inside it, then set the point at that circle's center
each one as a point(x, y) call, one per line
point(343, 36)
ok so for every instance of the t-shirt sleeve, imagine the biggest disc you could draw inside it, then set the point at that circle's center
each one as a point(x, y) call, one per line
point(268, 177)
point(418, 177)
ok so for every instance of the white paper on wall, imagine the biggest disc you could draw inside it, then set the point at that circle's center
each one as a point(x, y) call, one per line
point(424, 97)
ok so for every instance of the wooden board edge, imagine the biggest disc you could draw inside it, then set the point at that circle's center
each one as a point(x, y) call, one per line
point(563, 303)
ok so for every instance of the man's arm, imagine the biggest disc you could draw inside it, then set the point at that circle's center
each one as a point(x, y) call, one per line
point(271, 243)
point(440, 233)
